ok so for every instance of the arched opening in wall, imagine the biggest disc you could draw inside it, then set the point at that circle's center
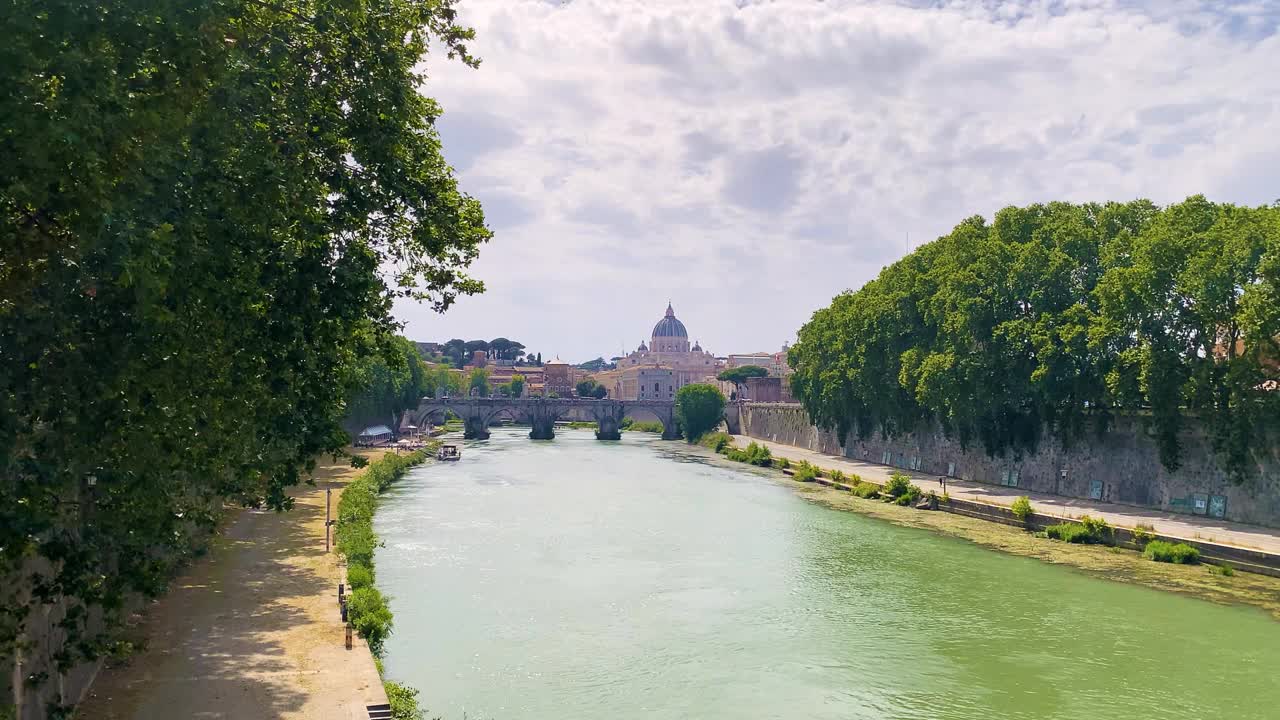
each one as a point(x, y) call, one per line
point(508, 416)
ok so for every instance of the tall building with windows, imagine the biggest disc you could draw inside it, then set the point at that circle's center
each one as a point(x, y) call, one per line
point(667, 363)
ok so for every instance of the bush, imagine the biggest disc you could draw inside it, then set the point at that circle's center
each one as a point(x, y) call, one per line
point(753, 454)
point(1089, 530)
point(1022, 508)
point(403, 700)
point(1068, 532)
point(910, 497)
point(1179, 553)
point(899, 484)
point(806, 472)
point(1143, 533)
point(368, 612)
point(782, 463)
point(717, 441)
point(652, 426)
point(1098, 530)
point(836, 476)
point(866, 490)
point(359, 576)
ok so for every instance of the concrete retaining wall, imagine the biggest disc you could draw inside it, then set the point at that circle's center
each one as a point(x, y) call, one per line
point(1121, 467)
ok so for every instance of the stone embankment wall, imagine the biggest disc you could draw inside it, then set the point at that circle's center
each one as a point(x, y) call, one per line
point(1122, 466)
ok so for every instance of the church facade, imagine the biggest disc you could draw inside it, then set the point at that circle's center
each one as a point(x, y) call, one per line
point(667, 363)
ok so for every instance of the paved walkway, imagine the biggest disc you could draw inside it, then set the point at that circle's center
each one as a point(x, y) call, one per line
point(1180, 526)
point(250, 632)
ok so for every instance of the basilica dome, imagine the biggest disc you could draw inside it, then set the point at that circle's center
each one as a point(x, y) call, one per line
point(669, 326)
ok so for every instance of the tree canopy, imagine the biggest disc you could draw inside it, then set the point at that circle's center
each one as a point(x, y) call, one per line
point(197, 202)
point(389, 383)
point(699, 408)
point(1062, 317)
point(741, 374)
point(590, 388)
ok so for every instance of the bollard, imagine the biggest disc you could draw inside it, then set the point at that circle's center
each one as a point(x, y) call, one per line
point(343, 607)
point(341, 589)
point(348, 636)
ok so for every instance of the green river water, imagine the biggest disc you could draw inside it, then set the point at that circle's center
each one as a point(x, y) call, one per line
point(645, 579)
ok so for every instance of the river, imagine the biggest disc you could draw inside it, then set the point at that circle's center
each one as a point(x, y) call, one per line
point(645, 579)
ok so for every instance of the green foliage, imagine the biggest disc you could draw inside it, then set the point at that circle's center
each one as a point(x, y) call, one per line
point(390, 382)
point(516, 386)
point(1089, 530)
point(699, 408)
point(1225, 570)
point(753, 454)
point(1180, 553)
point(652, 426)
point(909, 497)
point(805, 472)
point(589, 388)
point(866, 490)
point(1062, 317)
point(717, 441)
point(1143, 533)
point(836, 476)
point(780, 463)
point(197, 204)
point(478, 382)
point(899, 484)
point(1022, 508)
point(359, 576)
point(367, 609)
point(739, 375)
point(403, 700)
point(368, 612)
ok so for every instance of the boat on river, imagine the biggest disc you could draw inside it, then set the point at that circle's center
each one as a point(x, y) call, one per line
point(448, 452)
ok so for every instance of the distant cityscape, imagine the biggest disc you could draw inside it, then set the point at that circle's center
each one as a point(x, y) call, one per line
point(655, 370)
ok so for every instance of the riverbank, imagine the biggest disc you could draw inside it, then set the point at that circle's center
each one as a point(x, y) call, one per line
point(1110, 563)
point(252, 630)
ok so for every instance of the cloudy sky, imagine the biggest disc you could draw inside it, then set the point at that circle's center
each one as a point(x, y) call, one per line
point(749, 159)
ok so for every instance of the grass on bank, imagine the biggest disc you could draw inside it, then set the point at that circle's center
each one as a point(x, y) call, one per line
point(634, 425)
point(367, 608)
point(1177, 553)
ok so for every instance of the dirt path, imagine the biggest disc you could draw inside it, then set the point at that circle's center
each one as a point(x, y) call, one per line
point(251, 631)
point(1181, 526)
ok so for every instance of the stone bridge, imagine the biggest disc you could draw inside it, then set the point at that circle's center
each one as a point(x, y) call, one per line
point(542, 413)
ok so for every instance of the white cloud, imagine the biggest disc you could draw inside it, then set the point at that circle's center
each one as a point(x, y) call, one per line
point(748, 160)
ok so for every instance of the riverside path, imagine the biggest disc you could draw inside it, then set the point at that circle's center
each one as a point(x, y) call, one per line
point(1181, 526)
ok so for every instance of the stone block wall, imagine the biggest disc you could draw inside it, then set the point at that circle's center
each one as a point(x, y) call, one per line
point(1122, 466)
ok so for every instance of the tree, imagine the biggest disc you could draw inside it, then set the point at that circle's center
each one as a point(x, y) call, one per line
point(517, 385)
point(699, 408)
point(478, 382)
point(1060, 318)
point(588, 387)
point(196, 201)
point(739, 375)
point(389, 384)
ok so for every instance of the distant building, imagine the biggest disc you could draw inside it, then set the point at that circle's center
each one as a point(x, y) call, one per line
point(668, 353)
point(768, 389)
point(775, 363)
point(558, 378)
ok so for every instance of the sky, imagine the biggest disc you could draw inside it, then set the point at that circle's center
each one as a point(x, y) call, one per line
point(748, 160)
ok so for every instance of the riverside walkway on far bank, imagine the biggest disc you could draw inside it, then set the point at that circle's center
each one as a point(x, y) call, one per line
point(1189, 527)
point(251, 631)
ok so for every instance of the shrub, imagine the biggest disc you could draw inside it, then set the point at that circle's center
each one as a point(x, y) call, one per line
point(836, 476)
point(359, 576)
point(652, 426)
point(782, 463)
point(717, 441)
point(910, 497)
point(1068, 532)
point(753, 454)
point(898, 484)
point(368, 612)
point(403, 700)
point(1098, 530)
point(699, 408)
point(946, 497)
point(1143, 533)
point(1224, 570)
point(806, 472)
point(1022, 508)
point(866, 490)
point(1179, 553)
